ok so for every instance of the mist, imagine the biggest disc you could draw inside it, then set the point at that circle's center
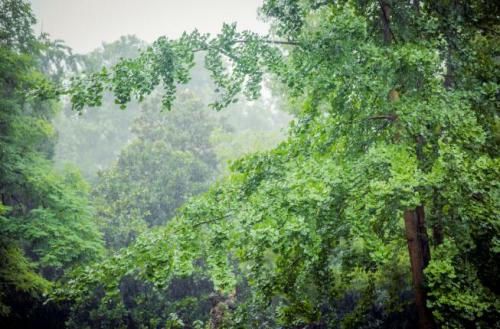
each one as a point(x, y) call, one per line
point(246, 164)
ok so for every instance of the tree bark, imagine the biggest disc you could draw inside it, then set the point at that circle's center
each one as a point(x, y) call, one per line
point(418, 248)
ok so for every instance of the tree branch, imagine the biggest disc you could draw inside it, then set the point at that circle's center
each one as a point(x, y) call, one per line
point(389, 117)
point(208, 221)
point(275, 42)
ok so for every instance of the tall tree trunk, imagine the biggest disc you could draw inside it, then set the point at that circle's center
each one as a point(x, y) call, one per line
point(416, 232)
point(418, 248)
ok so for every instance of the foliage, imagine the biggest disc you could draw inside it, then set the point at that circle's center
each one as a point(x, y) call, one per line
point(46, 225)
point(398, 112)
point(16, 20)
point(170, 160)
point(60, 231)
point(170, 156)
point(93, 138)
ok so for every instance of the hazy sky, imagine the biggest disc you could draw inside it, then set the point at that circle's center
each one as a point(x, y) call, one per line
point(84, 24)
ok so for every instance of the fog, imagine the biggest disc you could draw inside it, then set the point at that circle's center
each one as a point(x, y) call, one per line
point(84, 24)
point(94, 27)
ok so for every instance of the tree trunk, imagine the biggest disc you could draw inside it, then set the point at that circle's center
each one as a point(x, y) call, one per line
point(416, 232)
point(418, 247)
point(385, 14)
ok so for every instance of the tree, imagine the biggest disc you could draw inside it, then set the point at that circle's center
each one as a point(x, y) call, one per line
point(137, 193)
point(398, 122)
point(46, 223)
point(170, 160)
point(92, 139)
